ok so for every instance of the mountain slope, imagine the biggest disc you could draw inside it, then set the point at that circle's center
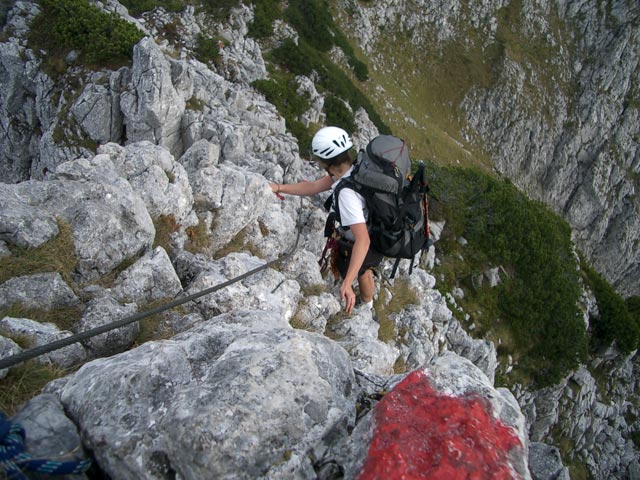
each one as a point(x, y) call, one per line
point(545, 93)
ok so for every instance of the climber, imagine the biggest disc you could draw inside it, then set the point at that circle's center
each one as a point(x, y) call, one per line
point(355, 259)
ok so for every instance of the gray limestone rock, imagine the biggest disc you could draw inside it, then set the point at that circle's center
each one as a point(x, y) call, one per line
point(102, 311)
point(17, 111)
point(370, 355)
point(38, 334)
point(109, 222)
point(8, 348)
point(150, 278)
point(545, 463)
point(97, 111)
point(267, 290)
point(303, 267)
point(43, 291)
point(201, 163)
point(25, 225)
point(50, 434)
point(151, 104)
point(152, 172)
point(4, 250)
point(244, 197)
point(315, 311)
point(238, 396)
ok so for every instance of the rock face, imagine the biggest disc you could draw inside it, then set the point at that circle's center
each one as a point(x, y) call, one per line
point(242, 395)
point(560, 120)
point(446, 420)
point(598, 427)
point(233, 390)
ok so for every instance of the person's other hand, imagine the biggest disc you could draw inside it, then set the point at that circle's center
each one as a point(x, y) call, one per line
point(348, 297)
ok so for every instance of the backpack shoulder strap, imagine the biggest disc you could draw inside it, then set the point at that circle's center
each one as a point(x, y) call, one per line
point(349, 183)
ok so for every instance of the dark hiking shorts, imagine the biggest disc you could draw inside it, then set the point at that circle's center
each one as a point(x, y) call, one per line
point(344, 249)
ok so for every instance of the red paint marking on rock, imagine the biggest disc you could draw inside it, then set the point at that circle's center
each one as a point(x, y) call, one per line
point(421, 433)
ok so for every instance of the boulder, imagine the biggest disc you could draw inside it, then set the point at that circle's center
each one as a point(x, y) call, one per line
point(238, 396)
point(8, 348)
point(43, 291)
point(37, 334)
point(244, 197)
point(109, 222)
point(201, 164)
point(50, 434)
point(151, 104)
point(97, 112)
point(101, 311)
point(443, 420)
point(314, 312)
point(24, 225)
point(545, 463)
point(152, 172)
point(267, 290)
point(150, 278)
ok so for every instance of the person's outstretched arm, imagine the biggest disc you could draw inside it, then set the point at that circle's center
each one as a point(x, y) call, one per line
point(303, 188)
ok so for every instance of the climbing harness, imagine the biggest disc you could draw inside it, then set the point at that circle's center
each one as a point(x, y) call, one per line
point(328, 252)
point(80, 337)
point(13, 460)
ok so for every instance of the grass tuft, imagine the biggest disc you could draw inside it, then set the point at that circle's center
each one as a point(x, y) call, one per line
point(56, 255)
point(63, 317)
point(401, 296)
point(24, 382)
point(165, 225)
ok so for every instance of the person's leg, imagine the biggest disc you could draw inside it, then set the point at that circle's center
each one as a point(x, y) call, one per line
point(367, 286)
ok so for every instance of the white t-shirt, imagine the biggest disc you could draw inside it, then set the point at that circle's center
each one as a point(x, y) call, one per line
point(352, 206)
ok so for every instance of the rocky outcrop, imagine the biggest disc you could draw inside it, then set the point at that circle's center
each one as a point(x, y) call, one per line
point(260, 397)
point(443, 432)
point(243, 394)
point(233, 389)
point(560, 120)
point(592, 415)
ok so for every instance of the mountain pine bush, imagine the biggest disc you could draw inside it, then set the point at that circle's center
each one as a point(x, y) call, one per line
point(102, 38)
point(539, 302)
point(618, 320)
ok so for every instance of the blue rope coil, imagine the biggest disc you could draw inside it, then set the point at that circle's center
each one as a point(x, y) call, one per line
point(13, 460)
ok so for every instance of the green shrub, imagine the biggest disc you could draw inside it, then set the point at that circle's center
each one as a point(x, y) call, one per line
point(633, 305)
point(101, 37)
point(207, 49)
point(338, 114)
point(283, 95)
point(302, 59)
point(616, 321)
point(312, 20)
point(359, 68)
point(265, 13)
point(219, 8)
point(539, 303)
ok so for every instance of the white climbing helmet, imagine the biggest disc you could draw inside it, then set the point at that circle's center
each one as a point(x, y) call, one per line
point(329, 142)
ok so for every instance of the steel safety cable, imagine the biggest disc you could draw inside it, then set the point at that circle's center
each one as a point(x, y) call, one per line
point(25, 355)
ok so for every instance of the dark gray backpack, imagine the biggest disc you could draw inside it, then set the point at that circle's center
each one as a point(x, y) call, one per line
point(397, 202)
